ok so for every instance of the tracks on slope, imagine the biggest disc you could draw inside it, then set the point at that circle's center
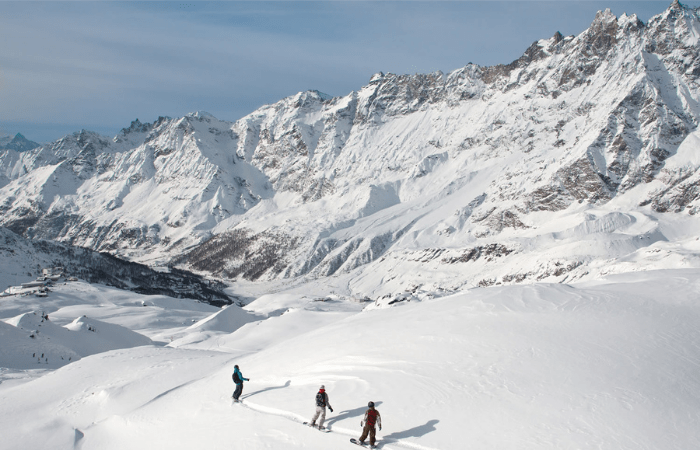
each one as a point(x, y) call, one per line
point(337, 430)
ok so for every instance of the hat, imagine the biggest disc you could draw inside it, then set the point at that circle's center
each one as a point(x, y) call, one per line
point(322, 387)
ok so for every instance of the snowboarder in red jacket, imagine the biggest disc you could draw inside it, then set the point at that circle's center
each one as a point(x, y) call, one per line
point(371, 419)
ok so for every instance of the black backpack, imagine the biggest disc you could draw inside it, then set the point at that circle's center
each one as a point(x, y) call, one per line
point(236, 379)
point(321, 399)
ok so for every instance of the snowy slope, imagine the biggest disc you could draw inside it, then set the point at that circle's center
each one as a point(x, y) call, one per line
point(80, 319)
point(32, 340)
point(607, 364)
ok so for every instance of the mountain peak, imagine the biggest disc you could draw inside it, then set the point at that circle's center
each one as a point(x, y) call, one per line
point(676, 10)
point(324, 96)
point(605, 16)
point(19, 143)
point(201, 115)
point(137, 127)
point(376, 78)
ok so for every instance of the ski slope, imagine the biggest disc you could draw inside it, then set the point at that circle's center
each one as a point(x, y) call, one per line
point(609, 364)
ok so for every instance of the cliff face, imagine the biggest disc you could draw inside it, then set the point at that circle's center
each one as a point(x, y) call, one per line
point(582, 134)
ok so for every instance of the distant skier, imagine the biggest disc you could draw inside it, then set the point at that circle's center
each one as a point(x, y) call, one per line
point(238, 379)
point(371, 419)
point(321, 403)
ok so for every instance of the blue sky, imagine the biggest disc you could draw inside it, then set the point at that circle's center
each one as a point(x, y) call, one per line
point(65, 66)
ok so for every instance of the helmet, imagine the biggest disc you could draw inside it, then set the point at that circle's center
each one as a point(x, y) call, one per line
point(370, 404)
point(236, 366)
point(322, 387)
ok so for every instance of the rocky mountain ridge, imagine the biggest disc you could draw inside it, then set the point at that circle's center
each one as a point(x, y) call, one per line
point(133, 192)
point(17, 143)
point(583, 138)
point(22, 259)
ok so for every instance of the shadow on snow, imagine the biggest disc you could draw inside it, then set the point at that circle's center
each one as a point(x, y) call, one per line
point(267, 389)
point(350, 413)
point(418, 431)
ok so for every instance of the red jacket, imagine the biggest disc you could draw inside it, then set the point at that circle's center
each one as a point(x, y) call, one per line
point(372, 417)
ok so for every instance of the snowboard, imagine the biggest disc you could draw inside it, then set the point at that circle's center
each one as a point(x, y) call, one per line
point(324, 429)
point(356, 442)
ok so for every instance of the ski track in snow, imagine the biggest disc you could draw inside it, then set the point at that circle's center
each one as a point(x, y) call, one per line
point(337, 430)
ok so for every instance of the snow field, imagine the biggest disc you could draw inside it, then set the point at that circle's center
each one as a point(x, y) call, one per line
point(610, 364)
point(528, 367)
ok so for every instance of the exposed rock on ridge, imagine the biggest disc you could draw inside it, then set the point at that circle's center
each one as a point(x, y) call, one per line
point(319, 186)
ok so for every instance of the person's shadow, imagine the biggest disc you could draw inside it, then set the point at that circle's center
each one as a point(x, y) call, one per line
point(420, 430)
point(342, 415)
point(268, 389)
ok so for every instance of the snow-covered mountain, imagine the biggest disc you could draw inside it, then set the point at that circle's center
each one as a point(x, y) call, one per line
point(18, 143)
point(578, 159)
point(22, 260)
point(367, 234)
point(154, 186)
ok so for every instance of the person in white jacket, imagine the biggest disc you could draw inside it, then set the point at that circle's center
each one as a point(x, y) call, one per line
point(321, 403)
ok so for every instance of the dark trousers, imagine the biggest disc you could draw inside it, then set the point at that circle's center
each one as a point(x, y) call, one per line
point(238, 391)
point(368, 429)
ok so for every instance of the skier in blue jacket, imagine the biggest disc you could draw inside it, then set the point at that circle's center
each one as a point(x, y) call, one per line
point(238, 379)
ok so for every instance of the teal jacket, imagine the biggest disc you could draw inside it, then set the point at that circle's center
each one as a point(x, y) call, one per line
point(238, 376)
